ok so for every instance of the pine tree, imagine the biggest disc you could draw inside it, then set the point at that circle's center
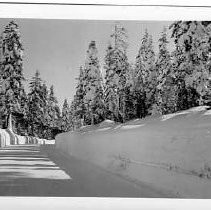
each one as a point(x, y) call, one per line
point(46, 118)
point(13, 96)
point(66, 118)
point(116, 66)
point(93, 89)
point(78, 106)
point(130, 94)
point(53, 110)
point(164, 80)
point(111, 96)
point(75, 120)
point(36, 106)
point(145, 76)
point(192, 39)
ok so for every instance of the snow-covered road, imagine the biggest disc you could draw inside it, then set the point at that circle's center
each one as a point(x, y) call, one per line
point(43, 171)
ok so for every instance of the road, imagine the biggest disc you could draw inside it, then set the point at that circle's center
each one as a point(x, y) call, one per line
point(43, 171)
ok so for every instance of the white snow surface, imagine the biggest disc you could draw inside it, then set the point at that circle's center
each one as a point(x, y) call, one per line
point(207, 112)
point(126, 127)
point(103, 129)
point(169, 155)
point(169, 116)
point(198, 109)
point(106, 123)
point(189, 111)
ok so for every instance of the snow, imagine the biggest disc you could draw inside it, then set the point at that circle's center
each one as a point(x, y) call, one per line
point(117, 127)
point(189, 111)
point(103, 129)
point(7, 138)
point(198, 109)
point(45, 141)
point(169, 116)
point(180, 150)
point(126, 127)
point(207, 112)
point(106, 122)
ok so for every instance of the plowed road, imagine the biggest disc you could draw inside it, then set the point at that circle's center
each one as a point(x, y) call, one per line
point(43, 171)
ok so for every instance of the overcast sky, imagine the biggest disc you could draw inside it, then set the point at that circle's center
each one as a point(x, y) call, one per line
point(57, 48)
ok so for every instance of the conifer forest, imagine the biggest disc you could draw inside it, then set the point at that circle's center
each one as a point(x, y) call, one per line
point(157, 83)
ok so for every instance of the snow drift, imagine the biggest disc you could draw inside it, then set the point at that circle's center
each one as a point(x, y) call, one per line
point(171, 152)
point(9, 138)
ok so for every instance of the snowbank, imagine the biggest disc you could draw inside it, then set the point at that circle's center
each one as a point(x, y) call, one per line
point(9, 138)
point(189, 111)
point(4, 138)
point(173, 154)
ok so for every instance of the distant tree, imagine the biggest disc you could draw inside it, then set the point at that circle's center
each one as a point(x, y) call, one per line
point(66, 118)
point(53, 110)
point(13, 97)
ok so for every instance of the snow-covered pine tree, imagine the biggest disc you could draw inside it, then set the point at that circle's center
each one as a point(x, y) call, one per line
point(75, 120)
point(130, 94)
point(11, 72)
point(66, 118)
point(78, 105)
point(164, 80)
point(98, 107)
point(46, 118)
point(207, 96)
point(53, 110)
point(116, 66)
point(93, 88)
point(36, 106)
point(145, 76)
point(192, 38)
point(111, 96)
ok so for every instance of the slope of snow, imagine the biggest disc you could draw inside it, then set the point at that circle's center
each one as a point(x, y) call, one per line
point(174, 155)
point(189, 111)
point(169, 116)
point(198, 109)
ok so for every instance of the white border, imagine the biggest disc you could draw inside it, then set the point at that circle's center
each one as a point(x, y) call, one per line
point(103, 12)
point(52, 203)
point(122, 2)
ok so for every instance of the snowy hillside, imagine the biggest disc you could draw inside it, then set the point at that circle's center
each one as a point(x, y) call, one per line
point(171, 152)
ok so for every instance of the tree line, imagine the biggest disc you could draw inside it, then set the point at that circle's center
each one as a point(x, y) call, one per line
point(35, 113)
point(156, 84)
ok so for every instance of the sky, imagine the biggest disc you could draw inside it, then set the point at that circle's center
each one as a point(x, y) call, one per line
point(57, 48)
